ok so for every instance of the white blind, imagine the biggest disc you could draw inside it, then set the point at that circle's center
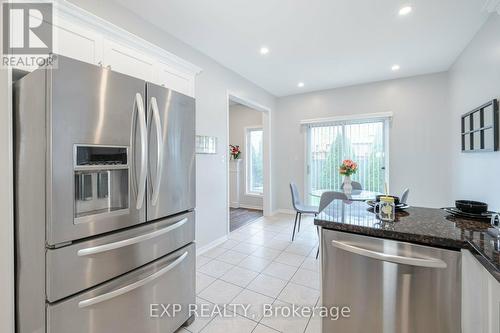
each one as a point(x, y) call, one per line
point(362, 141)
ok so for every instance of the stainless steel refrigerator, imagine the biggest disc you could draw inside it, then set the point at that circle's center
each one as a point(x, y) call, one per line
point(104, 201)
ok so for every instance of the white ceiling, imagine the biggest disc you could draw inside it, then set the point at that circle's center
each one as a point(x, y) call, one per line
point(323, 43)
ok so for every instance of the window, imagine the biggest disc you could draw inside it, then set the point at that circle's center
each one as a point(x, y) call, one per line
point(363, 141)
point(254, 156)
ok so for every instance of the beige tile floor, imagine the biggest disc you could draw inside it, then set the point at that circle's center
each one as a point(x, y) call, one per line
point(260, 265)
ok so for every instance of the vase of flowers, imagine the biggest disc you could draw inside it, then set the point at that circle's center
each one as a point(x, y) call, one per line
point(235, 152)
point(347, 169)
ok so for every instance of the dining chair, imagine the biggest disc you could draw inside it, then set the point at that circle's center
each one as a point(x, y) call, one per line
point(355, 186)
point(328, 196)
point(300, 208)
point(326, 199)
point(404, 197)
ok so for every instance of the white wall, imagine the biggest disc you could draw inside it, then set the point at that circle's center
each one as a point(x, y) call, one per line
point(475, 79)
point(6, 204)
point(419, 134)
point(241, 117)
point(212, 86)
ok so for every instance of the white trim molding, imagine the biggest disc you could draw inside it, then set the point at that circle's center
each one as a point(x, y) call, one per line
point(365, 116)
point(211, 245)
point(6, 204)
point(284, 211)
point(251, 207)
point(492, 6)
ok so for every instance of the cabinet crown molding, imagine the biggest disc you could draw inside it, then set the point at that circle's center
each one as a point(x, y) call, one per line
point(65, 9)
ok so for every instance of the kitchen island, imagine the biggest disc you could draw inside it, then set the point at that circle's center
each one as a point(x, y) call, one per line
point(400, 276)
point(425, 226)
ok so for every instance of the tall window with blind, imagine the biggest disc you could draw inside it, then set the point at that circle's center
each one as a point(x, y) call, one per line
point(363, 141)
point(254, 168)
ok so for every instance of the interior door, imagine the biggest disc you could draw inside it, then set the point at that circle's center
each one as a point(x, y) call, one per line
point(102, 114)
point(171, 130)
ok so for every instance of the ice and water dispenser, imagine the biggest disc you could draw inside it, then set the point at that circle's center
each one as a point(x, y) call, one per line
point(101, 181)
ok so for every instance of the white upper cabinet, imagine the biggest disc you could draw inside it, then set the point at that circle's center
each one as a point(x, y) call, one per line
point(174, 79)
point(76, 42)
point(128, 61)
point(88, 38)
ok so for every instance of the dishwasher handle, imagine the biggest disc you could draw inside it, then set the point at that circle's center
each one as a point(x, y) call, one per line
point(411, 261)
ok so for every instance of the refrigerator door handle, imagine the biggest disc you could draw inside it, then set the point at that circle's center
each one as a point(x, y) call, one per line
point(130, 241)
point(159, 150)
point(420, 262)
point(132, 286)
point(141, 184)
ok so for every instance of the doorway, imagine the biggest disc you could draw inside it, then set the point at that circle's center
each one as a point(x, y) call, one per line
point(248, 162)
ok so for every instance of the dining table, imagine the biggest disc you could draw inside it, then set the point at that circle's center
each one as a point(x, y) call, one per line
point(354, 195)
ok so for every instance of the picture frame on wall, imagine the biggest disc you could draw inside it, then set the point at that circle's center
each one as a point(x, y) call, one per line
point(479, 129)
point(206, 144)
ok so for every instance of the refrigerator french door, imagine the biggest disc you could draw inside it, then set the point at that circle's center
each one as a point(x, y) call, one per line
point(94, 127)
point(104, 201)
point(171, 131)
point(120, 150)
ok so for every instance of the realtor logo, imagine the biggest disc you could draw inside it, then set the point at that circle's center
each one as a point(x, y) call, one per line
point(27, 28)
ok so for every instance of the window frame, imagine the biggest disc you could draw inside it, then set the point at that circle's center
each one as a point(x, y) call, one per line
point(248, 161)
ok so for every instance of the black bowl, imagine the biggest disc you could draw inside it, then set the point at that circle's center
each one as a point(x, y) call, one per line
point(474, 207)
point(396, 199)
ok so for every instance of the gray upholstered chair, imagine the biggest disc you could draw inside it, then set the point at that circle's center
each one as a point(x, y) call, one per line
point(299, 208)
point(326, 199)
point(404, 197)
point(328, 196)
point(355, 186)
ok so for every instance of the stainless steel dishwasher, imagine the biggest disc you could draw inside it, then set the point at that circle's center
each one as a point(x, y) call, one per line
point(389, 286)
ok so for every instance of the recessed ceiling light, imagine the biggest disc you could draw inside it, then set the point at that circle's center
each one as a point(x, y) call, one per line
point(300, 84)
point(395, 67)
point(264, 50)
point(405, 10)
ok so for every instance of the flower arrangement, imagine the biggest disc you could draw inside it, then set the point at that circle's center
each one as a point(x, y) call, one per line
point(234, 151)
point(348, 168)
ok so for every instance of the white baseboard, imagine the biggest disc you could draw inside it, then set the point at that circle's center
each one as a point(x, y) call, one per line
point(250, 207)
point(284, 211)
point(211, 245)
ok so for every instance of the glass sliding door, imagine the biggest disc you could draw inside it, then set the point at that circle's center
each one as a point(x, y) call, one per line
point(361, 141)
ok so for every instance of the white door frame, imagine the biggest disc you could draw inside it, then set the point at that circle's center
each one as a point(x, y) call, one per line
point(7, 312)
point(266, 121)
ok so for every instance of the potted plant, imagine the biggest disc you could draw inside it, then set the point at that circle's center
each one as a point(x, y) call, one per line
point(235, 152)
point(347, 169)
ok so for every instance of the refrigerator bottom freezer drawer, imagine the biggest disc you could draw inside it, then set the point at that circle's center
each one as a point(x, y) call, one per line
point(83, 265)
point(124, 304)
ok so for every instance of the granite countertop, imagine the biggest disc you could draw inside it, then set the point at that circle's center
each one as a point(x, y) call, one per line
point(485, 247)
point(426, 226)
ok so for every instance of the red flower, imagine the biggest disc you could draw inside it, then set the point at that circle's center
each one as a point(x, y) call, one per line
point(348, 167)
